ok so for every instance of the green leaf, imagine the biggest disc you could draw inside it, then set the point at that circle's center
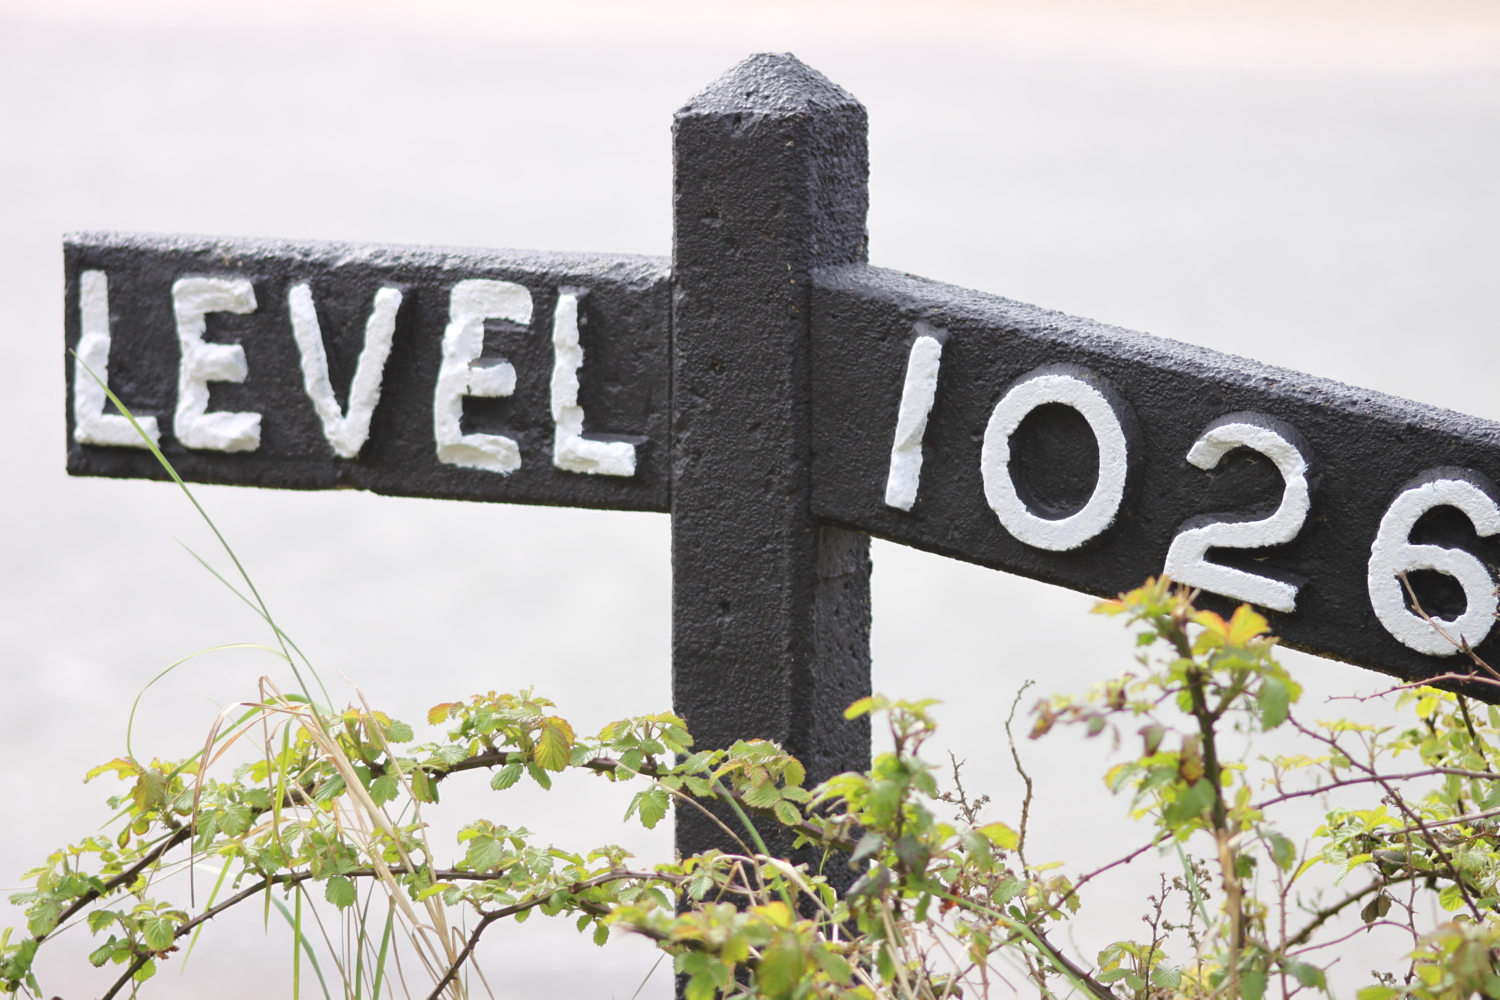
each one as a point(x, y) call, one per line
point(870, 843)
point(793, 773)
point(787, 813)
point(835, 965)
point(1274, 700)
point(763, 797)
point(1191, 803)
point(1451, 898)
point(1377, 993)
point(1307, 975)
point(42, 918)
point(913, 853)
point(1151, 737)
point(1166, 977)
point(507, 776)
point(330, 789)
point(485, 854)
point(158, 932)
point(1001, 836)
point(870, 883)
point(652, 804)
point(554, 745)
point(701, 987)
point(781, 965)
point(122, 767)
point(884, 963)
point(539, 776)
point(601, 933)
point(384, 788)
point(101, 954)
point(1283, 851)
point(340, 892)
point(1253, 985)
point(236, 819)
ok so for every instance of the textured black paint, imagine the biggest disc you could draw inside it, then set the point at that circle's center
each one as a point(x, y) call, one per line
point(759, 376)
point(624, 384)
point(1366, 447)
point(771, 612)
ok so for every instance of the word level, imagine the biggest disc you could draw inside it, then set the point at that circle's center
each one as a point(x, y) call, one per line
point(314, 365)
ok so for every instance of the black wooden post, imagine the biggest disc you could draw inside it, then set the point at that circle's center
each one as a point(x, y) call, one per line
point(770, 610)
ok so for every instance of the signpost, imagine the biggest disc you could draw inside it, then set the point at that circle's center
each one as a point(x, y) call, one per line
point(782, 400)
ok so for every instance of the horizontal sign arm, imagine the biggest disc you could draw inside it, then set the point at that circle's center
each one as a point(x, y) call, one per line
point(1092, 457)
point(465, 374)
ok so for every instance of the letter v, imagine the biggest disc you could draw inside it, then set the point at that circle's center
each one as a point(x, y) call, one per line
point(346, 433)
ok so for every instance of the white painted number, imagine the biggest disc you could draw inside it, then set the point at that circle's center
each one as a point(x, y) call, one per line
point(1038, 389)
point(1185, 559)
point(1393, 553)
point(202, 362)
point(571, 451)
point(91, 425)
point(469, 305)
point(917, 393)
point(347, 433)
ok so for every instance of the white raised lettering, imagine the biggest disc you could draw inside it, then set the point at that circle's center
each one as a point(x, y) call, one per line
point(1392, 553)
point(91, 425)
point(917, 393)
point(202, 362)
point(1038, 389)
point(571, 451)
point(347, 433)
point(469, 305)
point(1185, 559)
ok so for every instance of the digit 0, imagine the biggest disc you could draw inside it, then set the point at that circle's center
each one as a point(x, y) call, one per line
point(1112, 423)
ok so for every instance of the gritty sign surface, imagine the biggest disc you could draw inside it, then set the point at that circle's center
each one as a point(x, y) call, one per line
point(1090, 457)
point(410, 371)
point(783, 401)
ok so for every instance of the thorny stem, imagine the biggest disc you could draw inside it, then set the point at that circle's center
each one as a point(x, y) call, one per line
point(1460, 644)
point(1412, 818)
point(287, 881)
point(526, 904)
point(126, 877)
point(1345, 782)
point(1320, 917)
point(1016, 757)
point(1155, 923)
point(1206, 719)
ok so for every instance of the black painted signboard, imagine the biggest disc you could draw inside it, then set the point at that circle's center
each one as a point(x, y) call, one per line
point(784, 401)
point(405, 370)
point(1090, 456)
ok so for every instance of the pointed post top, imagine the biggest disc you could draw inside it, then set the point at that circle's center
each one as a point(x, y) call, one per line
point(770, 82)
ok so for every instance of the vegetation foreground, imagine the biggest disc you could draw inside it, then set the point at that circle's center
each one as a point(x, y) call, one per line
point(326, 825)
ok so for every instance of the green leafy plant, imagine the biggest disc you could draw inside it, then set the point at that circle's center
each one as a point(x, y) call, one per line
point(326, 823)
point(318, 812)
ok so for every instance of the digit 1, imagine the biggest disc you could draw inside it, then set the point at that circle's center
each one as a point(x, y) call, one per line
point(917, 393)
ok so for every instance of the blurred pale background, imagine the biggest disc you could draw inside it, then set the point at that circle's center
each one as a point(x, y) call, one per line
point(1311, 184)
